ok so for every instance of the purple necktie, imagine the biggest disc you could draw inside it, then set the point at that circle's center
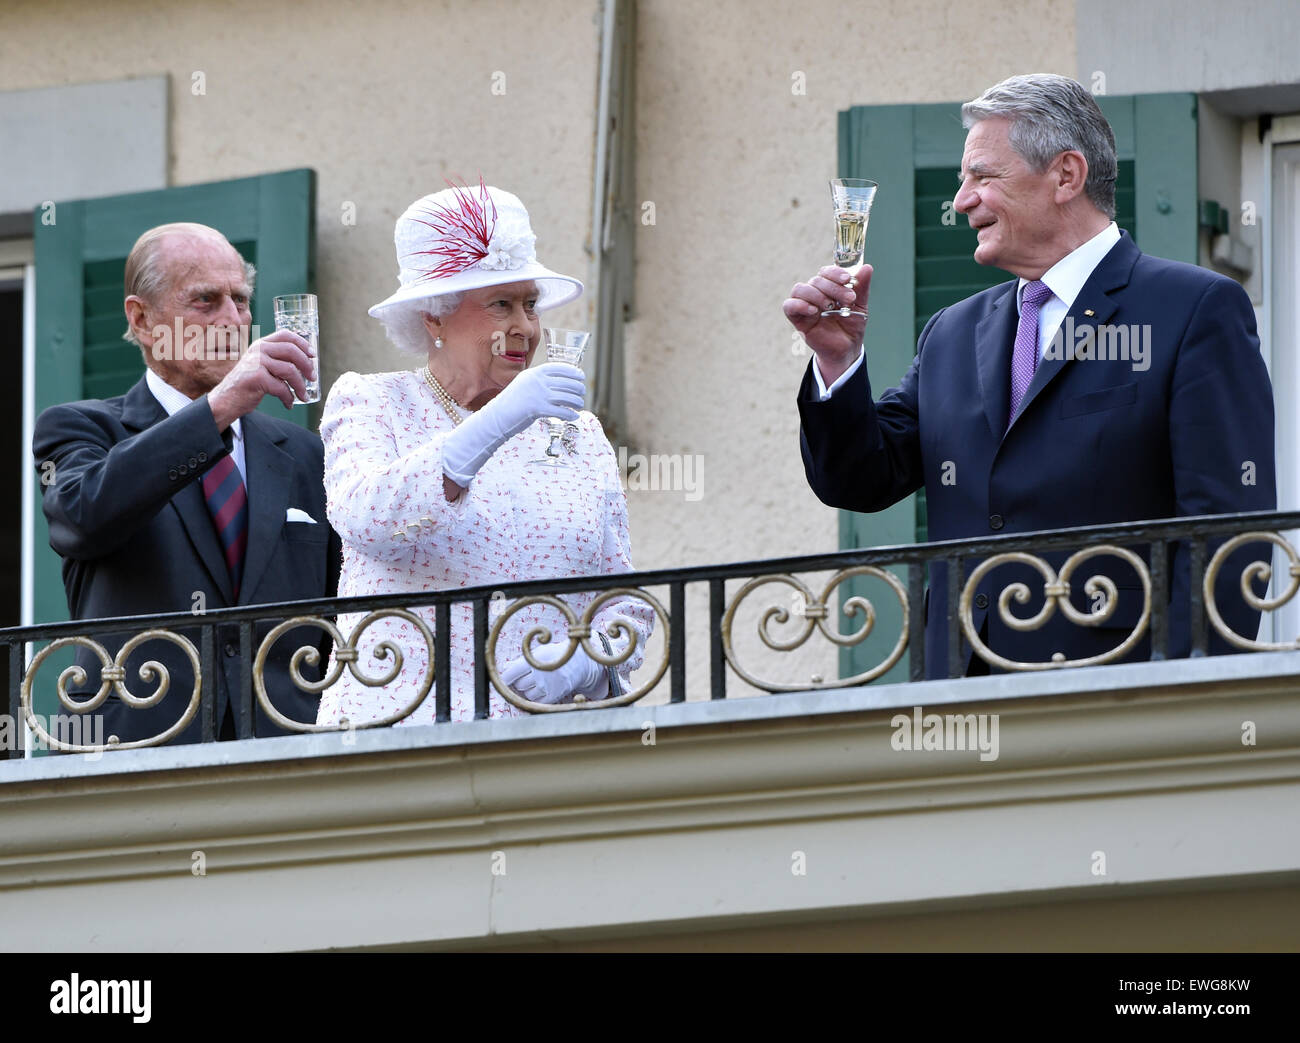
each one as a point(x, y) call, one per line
point(1024, 357)
point(228, 504)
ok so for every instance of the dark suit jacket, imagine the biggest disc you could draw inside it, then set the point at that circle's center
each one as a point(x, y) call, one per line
point(1094, 442)
point(128, 516)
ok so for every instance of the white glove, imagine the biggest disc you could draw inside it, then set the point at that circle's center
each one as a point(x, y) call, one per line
point(580, 675)
point(554, 389)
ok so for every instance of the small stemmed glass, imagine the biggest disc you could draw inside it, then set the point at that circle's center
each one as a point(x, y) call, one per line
point(561, 346)
point(852, 197)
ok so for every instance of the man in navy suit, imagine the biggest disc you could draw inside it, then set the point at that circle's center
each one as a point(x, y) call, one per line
point(1102, 385)
point(178, 497)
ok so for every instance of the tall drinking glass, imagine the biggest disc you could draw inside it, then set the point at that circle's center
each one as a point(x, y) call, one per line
point(562, 346)
point(852, 197)
point(296, 312)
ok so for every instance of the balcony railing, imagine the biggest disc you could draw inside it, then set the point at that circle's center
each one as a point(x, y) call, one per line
point(1209, 542)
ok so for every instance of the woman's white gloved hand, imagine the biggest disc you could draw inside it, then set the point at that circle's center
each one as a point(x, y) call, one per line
point(580, 675)
point(554, 389)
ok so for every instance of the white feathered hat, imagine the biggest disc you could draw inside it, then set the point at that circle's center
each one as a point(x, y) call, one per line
point(465, 239)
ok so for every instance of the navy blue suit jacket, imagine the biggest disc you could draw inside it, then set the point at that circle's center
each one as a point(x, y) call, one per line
point(1189, 433)
point(128, 516)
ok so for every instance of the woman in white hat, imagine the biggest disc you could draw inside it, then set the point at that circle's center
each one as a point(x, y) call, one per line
point(429, 472)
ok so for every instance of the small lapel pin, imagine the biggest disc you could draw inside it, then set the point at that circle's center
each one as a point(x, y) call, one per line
point(1089, 312)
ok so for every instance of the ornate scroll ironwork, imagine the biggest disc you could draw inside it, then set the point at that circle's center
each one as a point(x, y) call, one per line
point(112, 677)
point(1256, 569)
point(815, 612)
point(1056, 589)
point(578, 632)
point(345, 653)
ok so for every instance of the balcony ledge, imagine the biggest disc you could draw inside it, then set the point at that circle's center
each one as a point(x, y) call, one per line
point(573, 826)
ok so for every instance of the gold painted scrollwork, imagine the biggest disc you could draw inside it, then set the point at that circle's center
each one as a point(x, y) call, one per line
point(345, 653)
point(1057, 592)
point(112, 678)
point(815, 612)
point(1256, 569)
point(578, 632)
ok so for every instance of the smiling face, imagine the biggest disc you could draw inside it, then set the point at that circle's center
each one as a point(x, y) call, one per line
point(487, 341)
point(204, 286)
point(1018, 213)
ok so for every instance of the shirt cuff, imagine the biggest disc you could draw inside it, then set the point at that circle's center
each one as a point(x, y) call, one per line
point(824, 392)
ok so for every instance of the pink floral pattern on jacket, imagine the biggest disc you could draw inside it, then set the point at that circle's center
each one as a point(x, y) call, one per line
point(383, 436)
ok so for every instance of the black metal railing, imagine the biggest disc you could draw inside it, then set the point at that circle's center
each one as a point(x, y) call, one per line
point(1151, 551)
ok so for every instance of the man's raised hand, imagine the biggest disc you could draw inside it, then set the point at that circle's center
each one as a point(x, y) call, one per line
point(279, 364)
point(834, 339)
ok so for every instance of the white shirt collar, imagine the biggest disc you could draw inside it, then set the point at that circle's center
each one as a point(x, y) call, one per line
point(174, 401)
point(1066, 277)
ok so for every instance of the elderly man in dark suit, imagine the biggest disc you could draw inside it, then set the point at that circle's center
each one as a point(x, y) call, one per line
point(177, 496)
point(1020, 412)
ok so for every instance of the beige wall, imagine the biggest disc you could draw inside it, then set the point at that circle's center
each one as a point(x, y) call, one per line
point(736, 165)
point(1177, 45)
point(387, 98)
point(384, 99)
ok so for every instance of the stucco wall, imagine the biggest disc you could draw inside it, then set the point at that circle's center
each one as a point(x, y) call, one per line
point(383, 99)
point(387, 98)
point(1174, 45)
point(736, 164)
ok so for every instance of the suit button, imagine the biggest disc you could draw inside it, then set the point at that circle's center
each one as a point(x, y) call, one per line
point(183, 469)
point(231, 648)
point(981, 601)
point(172, 474)
point(995, 522)
point(203, 458)
point(193, 463)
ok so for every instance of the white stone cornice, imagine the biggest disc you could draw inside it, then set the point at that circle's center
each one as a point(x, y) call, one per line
point(603, 833)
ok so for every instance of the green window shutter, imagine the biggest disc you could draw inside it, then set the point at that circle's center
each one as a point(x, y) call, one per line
point(877, 142)
point(1163, 147)
point(921, 251)
point(80, 261)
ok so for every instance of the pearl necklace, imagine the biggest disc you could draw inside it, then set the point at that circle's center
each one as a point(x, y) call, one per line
point(440, 393)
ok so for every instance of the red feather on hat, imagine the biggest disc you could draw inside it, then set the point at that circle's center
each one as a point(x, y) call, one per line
point(466, 232)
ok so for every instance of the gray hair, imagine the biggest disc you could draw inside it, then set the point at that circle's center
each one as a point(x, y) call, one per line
point(1049, 115)
point(147, 277)
point(405, 326)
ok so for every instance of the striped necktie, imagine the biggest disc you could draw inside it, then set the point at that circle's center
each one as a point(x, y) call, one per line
point(228, 504)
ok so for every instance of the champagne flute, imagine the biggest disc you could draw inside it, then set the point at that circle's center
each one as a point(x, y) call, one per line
point(561, 346)
point(852, 197)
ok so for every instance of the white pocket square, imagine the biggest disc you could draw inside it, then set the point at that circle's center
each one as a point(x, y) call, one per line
point(296, 515)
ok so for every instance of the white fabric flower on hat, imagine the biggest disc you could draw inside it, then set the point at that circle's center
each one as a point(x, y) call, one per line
point(509, 252)
point(465, 238)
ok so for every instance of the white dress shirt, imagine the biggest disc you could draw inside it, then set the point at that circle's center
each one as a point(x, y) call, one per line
point(174, 401)
point(1065, 279)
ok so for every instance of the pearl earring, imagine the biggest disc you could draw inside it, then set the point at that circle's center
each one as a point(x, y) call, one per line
point(437, 342)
